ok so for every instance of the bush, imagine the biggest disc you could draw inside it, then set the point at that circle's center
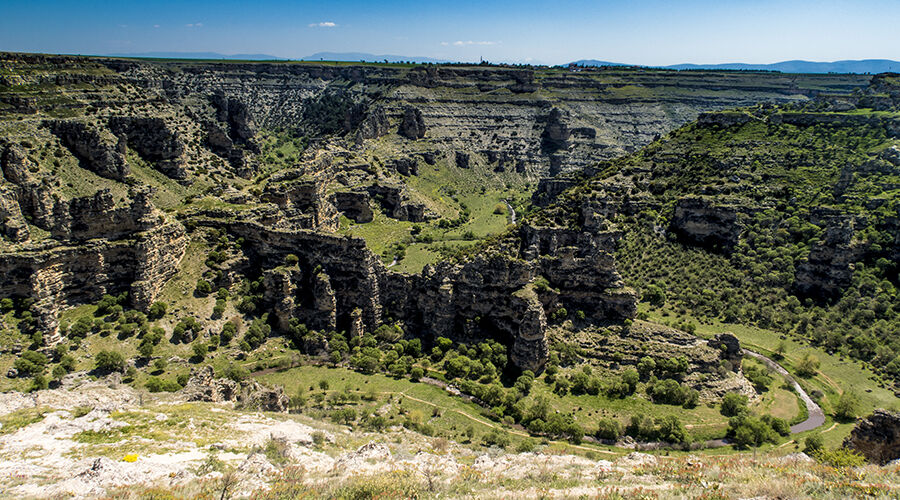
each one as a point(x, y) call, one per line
point(200, 350)
point(839, 457)
point(31, 363)
point(808, 366)
point(156, 384)
point(203, 288)
point(847, 407)
point(608, 429)
point(416, 373)
point(813, 443)
point(496, 438)
point(671, 430)
point(671, 392)
point(236, 373)
point(746, 431)
point(109, 361)
point(734, 405)
point(157, 310)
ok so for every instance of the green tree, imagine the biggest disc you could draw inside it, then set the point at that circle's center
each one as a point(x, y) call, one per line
point(734, 404)
point(109, 361)
point(847, 407)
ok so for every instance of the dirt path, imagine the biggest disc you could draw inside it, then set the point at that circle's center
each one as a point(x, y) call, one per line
point(492, 426)
point(816, 415)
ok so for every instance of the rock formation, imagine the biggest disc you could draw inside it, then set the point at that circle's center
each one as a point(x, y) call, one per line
point(102, 153)
point(247, 394)
point(877, 437)
point(730, 349)
point(413, 125)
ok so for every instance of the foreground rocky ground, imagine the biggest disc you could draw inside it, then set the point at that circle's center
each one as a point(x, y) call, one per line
point(100, 439)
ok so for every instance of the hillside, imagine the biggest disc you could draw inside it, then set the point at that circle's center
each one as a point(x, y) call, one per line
point(577, 261)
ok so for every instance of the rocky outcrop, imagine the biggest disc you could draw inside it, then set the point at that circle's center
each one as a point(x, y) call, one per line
point(303, 203)
point(877, 437)
point(374, 125)
point(98, 150)
point(404, 166)
point(355, 205)
point(724, 119)
point(729, 348)
point(98, 217)
point(59, 276)
point(12, 223)
point(154, 140)
point(396, 202)
point(701, 222)
point(829, 267)
point(462, 159)
point(413, 125)
point(235, 114)
point(246, 394)
point(556, 133)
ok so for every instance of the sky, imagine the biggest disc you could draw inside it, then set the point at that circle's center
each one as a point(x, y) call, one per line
point(648, 32)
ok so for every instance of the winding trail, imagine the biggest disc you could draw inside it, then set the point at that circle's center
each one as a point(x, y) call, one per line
point(816, 415)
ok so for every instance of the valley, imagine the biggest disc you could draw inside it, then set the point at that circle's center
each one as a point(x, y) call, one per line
point(303, 277)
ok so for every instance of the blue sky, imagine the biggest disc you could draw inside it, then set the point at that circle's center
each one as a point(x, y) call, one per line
point(634, 31)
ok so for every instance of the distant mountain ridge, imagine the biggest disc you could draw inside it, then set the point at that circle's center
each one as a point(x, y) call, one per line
point(797, 66)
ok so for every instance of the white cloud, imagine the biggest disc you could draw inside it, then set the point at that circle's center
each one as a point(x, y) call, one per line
point(194, 25)
point(323, 24)
point(156, 26)
point(462, 43)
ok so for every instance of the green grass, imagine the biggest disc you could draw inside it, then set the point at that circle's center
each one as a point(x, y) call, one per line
point(13, 421)
point(836, 374)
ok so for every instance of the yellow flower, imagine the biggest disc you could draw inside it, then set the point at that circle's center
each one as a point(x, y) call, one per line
point(130, 458)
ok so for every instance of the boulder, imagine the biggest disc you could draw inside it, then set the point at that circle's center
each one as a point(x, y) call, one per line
point(413, 125)
point(462, 159)
point(877, 437)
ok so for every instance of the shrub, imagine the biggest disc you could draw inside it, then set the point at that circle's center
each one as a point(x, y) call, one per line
point(236, 373)
point(847, 407)
point(146, 349)
point(31, 363)
point(813, 443)
point(496, 438)
point(839, 457)
point(200, 350)
point(746, 431)
point(157, 310)
point(808, 366)
point(671, 430)
point(608, 429)
point(156, 384)
point(203, 288)
point(109, 361)
point(734, 405)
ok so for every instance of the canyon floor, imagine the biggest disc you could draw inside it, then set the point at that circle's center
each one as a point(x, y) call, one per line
point(101, 439)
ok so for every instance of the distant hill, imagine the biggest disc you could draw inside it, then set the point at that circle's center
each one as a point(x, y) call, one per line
point(362, 56)
point(200, 55)
point(850, 66)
